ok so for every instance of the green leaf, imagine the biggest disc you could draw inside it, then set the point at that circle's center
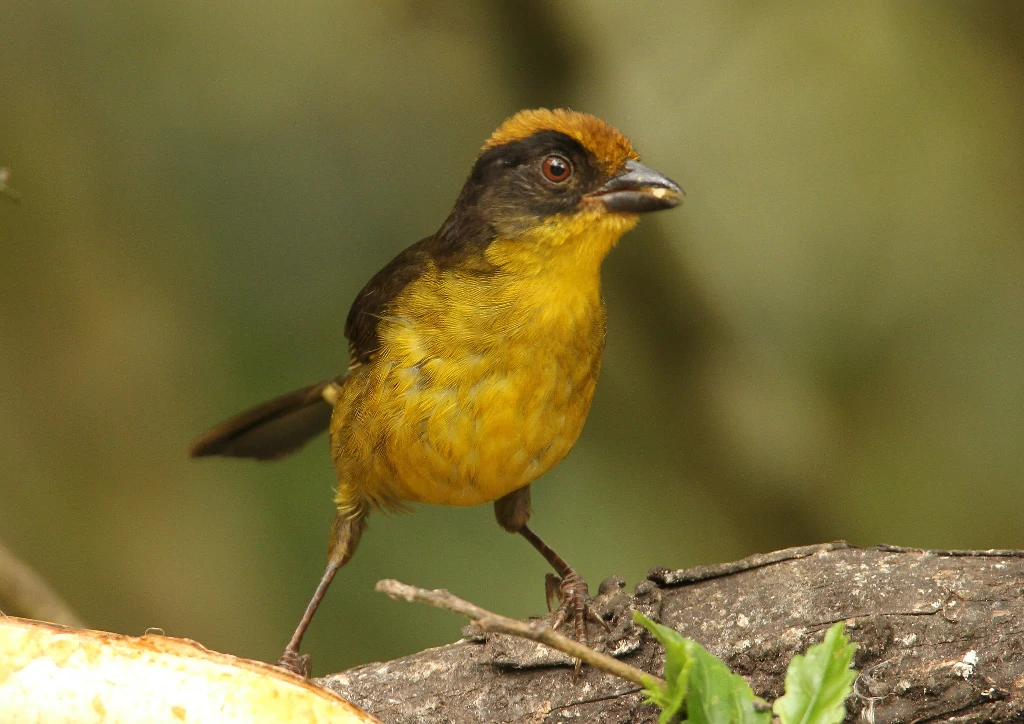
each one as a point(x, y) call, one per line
point(718, 696)
point(818, 683)
point(677, 669)
point(713, 694)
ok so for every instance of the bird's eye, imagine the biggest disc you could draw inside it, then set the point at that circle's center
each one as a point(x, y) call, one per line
point(556, 168)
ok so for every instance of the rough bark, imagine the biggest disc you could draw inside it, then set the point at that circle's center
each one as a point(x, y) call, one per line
point(939, 637)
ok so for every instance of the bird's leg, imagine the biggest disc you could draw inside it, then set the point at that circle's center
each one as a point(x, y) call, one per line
point(568, 586)
point(345, 535)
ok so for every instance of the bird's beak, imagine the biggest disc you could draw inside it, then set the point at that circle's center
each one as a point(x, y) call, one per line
point(638, 189)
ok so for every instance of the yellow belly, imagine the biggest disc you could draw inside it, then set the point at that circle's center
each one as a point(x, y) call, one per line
point(461, 407)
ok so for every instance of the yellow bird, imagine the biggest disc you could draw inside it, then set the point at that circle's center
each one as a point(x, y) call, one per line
point(475, 352)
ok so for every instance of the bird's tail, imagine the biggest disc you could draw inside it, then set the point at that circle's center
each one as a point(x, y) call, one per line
point(275, 428)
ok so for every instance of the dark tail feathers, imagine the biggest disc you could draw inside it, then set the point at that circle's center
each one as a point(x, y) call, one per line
point(272, 429)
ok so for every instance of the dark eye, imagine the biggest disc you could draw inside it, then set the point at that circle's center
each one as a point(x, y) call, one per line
point(556, 168)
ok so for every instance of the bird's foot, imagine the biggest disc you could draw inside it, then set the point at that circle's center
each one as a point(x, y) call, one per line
point(296, 663)
point(573, 596)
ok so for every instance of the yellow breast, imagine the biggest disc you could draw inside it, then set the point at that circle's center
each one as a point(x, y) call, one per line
point(481, 385)
point(482, 381)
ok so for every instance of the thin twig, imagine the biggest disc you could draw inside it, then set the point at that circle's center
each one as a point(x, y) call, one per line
point(535, 631)
point(23, 592)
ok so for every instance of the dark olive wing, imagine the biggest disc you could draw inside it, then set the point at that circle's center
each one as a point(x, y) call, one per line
point(377, 297)
point(458, 244)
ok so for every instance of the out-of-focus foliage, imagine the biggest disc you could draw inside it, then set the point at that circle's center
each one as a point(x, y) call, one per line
point(826, 338)
point(5, 189)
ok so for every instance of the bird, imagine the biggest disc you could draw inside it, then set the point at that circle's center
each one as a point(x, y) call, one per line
point(475, 352)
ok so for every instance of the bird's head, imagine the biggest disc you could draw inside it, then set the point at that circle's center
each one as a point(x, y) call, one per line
point(549, 182)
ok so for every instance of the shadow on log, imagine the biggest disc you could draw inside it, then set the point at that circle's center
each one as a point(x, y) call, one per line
point(939, 637)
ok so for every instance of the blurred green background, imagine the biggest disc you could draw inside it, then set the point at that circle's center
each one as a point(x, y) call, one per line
point(826, 341)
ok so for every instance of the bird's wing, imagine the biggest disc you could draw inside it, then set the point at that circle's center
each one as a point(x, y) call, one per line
point(376, 298)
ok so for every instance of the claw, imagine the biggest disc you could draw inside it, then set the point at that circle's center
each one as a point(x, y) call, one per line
point(574, 597)
point(561, 616)
point(551, 592)
point(597, 619)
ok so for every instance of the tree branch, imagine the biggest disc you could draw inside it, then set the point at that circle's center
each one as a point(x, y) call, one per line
point(940, 638)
